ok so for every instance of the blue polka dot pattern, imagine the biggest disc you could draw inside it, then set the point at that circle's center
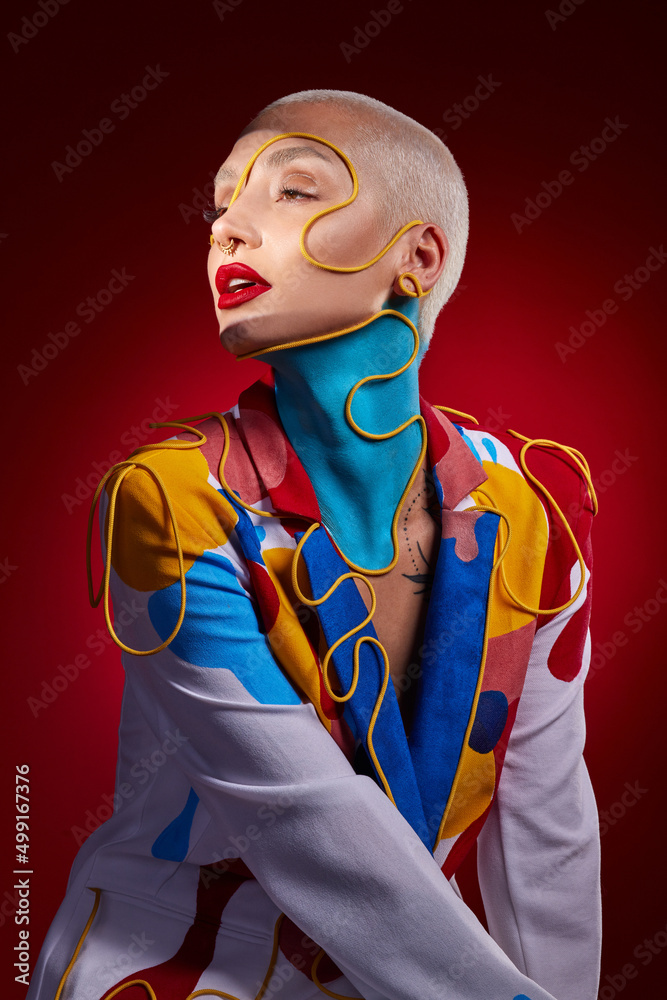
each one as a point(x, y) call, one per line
point(490, 719)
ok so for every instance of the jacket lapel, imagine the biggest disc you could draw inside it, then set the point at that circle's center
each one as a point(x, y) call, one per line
point(261, 431)
point(455, 630)
point(383, 739)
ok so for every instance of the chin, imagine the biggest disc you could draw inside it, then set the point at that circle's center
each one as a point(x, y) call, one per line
point(253, 333)
point(243, 337)
point(233, 340)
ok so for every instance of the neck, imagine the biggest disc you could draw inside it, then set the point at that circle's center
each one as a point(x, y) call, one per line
point(358, 482)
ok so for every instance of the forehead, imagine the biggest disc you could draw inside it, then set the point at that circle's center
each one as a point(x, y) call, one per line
point(281, 152)
point(314, 120)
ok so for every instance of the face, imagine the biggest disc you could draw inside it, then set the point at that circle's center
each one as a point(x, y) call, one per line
point(267, 293)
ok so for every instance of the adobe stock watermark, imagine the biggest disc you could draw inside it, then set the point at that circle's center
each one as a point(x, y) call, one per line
point(201, 199)
point(84, 486)
point(565, 9)
point(608, 818)
point(239, 843)
point(625, 288)
point(88, 310)
point(617, 810)
point(222, 7)
point(124, 960)
point(364, 34)
point(581, 158)
point(31, 26)
point(121, 107)
point(462, 110)
point(458, 291)
point(6, 569)
point(141, 771)
point(634, 620)
point(621, 462)
point(494, 419)
point(9, 905)
point(65, 674)
point(644, 952)
point(285, 969)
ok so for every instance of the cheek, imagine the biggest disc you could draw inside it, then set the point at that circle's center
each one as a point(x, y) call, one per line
point(211, 268)
point(345, 238)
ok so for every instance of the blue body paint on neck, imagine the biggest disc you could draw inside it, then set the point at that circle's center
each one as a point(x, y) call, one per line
point(358, 482)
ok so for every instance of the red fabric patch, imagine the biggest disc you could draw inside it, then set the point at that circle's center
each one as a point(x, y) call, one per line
point(457, 469)
point(178, 976)
point(506, 661)
point(294, 492)
point(567, 652)
point(240, 473)
point(265, 592)
point(460, 525)
point(302, 951)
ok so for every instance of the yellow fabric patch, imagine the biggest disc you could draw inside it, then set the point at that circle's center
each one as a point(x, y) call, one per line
point(287, 637)
point(472, 792)
point(144, 552)
point(524, 560)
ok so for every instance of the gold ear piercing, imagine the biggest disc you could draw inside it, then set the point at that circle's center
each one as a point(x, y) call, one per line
point(418, 292)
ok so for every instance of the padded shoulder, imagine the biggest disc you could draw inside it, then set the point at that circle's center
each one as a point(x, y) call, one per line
point(163, 498)
point(558, 468)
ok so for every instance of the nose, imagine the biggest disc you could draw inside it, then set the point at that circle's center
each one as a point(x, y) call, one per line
point(236, 226)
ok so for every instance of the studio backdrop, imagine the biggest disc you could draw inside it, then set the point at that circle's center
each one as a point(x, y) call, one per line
point(117, 116)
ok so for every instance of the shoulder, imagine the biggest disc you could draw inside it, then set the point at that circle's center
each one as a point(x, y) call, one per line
point(187, 461)
point(557, 477)
point(165, 496)
point(557, 473)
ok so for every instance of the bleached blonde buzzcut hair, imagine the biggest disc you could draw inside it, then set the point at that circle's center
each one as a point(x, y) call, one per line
point(419, 178)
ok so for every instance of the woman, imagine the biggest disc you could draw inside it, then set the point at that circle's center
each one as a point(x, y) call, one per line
point(286, 818)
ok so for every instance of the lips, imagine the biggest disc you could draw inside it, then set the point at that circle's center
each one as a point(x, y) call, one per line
point(238, 283)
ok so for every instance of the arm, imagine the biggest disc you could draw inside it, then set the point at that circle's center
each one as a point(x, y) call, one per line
point(338, 859)
point(539, 851)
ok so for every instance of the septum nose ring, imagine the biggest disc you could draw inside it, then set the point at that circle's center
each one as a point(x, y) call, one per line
point(229, 248)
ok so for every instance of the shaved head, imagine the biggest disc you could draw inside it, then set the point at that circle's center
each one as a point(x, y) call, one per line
point(412, 173)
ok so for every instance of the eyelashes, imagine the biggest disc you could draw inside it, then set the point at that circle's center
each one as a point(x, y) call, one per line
point(213, 212)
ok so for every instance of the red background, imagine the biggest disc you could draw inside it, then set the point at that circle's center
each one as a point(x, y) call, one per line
point(494, 349)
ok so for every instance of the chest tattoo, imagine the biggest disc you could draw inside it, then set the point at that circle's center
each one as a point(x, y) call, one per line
point(422, 577)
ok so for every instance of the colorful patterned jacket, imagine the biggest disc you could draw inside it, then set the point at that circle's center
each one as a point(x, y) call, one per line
point(256, 816)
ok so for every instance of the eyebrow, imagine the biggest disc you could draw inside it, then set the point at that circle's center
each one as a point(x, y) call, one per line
point(290, 153)
point(274, 159)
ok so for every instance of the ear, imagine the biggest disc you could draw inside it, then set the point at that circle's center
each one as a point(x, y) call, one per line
point(425, 252)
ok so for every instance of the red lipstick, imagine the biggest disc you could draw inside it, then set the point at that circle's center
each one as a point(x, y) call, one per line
point(238, 283)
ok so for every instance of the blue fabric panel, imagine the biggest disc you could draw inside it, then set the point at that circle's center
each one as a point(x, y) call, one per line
point(341, 612)
point(490, 719)
point(221, 628)
point(451, 661)
point(172, 844)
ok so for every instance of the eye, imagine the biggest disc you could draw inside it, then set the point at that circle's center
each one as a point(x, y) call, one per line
point(293, 194)
point(212, 212)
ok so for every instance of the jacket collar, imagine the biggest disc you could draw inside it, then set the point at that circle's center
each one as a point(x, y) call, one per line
point(455, 468)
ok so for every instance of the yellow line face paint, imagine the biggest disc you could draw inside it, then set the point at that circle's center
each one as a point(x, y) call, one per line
point(325, 211)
